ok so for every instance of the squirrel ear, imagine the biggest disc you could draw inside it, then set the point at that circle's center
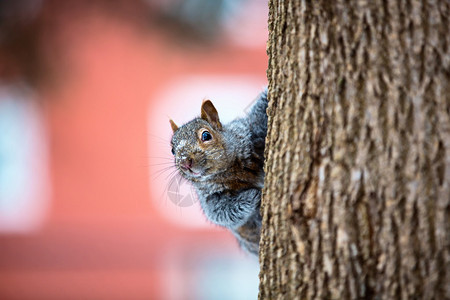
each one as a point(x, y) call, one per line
point(173, 125)
point(209, 114)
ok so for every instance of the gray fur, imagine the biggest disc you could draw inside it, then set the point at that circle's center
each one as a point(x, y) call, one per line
point(228, 172)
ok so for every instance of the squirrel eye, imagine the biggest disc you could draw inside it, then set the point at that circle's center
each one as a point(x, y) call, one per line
point(206, 136)
point(173, 151)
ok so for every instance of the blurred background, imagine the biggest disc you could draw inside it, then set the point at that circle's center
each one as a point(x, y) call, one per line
point(90, 207)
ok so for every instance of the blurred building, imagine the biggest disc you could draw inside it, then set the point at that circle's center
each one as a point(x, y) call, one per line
point(89, 205)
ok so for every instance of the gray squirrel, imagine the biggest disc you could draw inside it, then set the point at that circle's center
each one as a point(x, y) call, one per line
point(224, 163)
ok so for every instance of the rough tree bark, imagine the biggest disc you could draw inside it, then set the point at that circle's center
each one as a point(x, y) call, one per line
point(356, 201)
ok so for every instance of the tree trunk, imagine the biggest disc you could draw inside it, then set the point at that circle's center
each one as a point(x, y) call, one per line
point(356, 201)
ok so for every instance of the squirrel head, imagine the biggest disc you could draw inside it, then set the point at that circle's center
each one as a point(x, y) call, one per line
point(199, 147)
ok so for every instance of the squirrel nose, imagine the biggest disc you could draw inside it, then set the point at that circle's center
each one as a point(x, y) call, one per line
point(187, 163)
